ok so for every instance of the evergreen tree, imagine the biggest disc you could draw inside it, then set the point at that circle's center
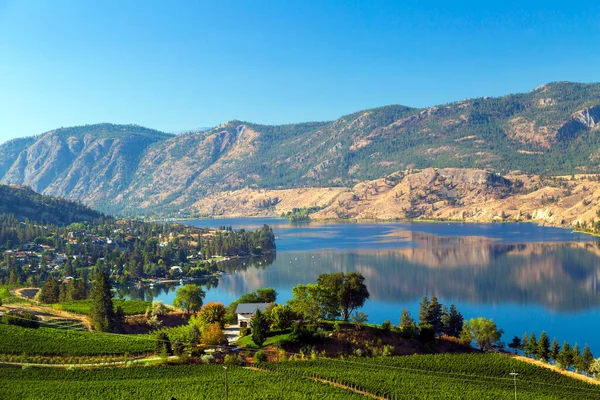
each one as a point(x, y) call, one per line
point(424, 312)
point(407, 325)
point(435, 315)
point(532, 347)
point(163, 345)
point(259, 328)
point(565, 357)
point(543, 347)
point(525, 344)
point(554, 350)
point(50, 291)
point(102, 313)
point(576, 354)
point(452, 321)
point(515, 344)
point(587, 358)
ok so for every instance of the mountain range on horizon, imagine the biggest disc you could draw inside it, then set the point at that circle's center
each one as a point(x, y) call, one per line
point(128, 169)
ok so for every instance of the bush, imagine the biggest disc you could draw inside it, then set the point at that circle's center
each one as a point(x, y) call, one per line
point(232, 359)
point(386, 325)
point(260, 356)
point(207, 358)
point(245, 332)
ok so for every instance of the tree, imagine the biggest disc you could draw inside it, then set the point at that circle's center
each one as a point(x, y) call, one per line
point(525, 344)
point(259, 327)
point(576, 354)
point(214, 335)
point(189, 297)
point(305, 302)
point(466, 336)
point(102, 313)
point(407, 325)
point(565, 357)
point(484, 332)
point(282, 316)
point(266, 295)
point(554, 350)
point(452, 322)
point(532, 347)
point(587, 358)
point(50, 291)
point(159, 308)
point(430, 314)
point(515, 344)
point(359, 319)
point(354, 293)
point(212, 313)
point(163, 345)
point(543, 347)
point(595, 368)
point(330, 287)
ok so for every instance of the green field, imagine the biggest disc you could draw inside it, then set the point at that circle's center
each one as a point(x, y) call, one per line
point(50, 341)
point(161, 383)
point(130, 307)
point(459, 376)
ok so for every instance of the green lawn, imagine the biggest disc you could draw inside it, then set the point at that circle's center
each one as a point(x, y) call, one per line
point(130, 307)
point(275, 337)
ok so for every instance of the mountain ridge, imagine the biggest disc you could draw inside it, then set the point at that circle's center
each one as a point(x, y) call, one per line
point(128, 169)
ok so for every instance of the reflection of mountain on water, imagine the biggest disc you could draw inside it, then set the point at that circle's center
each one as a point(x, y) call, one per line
point(149, 293)
point(559, 276)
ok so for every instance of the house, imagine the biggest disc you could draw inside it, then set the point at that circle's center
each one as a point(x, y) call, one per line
point(245, 311)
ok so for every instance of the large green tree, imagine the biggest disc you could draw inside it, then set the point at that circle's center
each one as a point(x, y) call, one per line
point(189, 297)
point(543, 347)
point(102, 312)
point(353, 294)
point(485, 332)
point(259, 327)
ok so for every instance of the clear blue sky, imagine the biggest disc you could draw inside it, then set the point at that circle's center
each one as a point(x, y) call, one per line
point(176, 65)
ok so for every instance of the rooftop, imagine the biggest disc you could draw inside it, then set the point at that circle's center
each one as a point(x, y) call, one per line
point(250, 308)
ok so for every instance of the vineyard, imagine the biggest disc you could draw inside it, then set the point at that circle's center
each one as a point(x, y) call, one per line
point(130, 307)
point(162, 383)
point(466, 376)
point(50, 341)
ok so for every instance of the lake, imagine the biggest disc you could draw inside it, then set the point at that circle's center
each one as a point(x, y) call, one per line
point(525, 277)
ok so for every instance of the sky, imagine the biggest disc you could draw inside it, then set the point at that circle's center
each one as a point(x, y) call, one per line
point(181, 65)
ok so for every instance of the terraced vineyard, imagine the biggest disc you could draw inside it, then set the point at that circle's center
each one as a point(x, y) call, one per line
point(181, 382)
point(51, 341)
point(460, 376)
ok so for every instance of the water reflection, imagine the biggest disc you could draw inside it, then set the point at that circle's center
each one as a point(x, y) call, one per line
point(558, 276)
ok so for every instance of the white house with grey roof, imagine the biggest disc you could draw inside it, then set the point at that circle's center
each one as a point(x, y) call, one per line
point(245, 311)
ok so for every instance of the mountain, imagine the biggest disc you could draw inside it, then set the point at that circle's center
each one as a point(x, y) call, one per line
point(24, 203)
point(554, 129)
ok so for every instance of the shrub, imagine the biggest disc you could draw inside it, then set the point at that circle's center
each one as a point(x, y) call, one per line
point(386, 325)
point(260, 356)
point(232, 359)
point(207, 358)
point(245, 332)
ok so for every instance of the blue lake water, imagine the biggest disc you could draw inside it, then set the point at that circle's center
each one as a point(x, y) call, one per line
point(525, 277)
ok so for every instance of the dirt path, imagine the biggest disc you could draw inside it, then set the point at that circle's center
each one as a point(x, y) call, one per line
point(556, 369)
